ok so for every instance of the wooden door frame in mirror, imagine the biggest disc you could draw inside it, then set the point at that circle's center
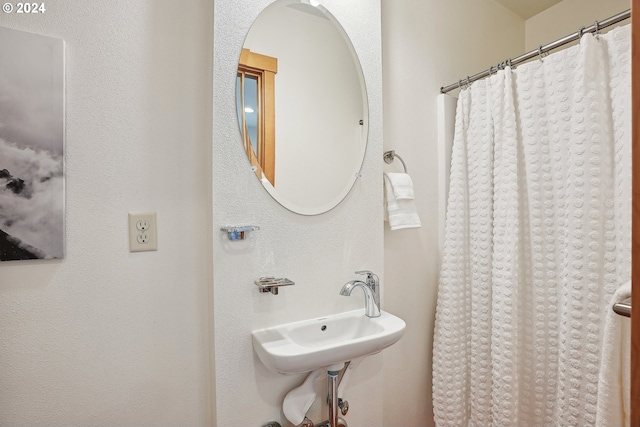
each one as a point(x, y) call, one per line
point(266, 68)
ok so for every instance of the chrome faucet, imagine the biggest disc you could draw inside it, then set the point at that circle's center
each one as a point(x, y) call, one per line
point(371, 291)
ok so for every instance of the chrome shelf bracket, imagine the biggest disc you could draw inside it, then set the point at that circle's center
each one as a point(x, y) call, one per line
point(238, 232)
point(272, 284)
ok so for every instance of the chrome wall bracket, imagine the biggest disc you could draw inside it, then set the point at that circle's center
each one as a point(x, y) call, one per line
point(390, 156)
point(238, 232)
point(271, 284)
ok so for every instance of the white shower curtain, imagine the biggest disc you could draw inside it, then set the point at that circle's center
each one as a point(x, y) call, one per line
point(537, 239)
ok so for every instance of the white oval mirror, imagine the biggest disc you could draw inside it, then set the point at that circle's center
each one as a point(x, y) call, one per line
point(302, 106)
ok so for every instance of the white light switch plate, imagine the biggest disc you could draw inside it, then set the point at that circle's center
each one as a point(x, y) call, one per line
point(143, 234)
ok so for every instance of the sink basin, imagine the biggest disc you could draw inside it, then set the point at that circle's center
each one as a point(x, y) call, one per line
point(307, 345)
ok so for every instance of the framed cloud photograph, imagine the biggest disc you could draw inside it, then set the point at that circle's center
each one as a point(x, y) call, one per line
point(31, 146)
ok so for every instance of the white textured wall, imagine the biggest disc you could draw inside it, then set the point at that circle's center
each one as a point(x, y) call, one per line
point(320, 253)
point(426, 44)
point(106, 337)
point(567, 17)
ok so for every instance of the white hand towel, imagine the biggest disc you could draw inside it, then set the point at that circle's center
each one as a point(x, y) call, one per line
point(401, 185)
point(401, 212)
point(615, 371)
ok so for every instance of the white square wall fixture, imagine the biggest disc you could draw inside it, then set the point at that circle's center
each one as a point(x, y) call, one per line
point(143, 232)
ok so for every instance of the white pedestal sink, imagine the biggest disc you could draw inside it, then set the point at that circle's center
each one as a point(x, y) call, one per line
point(307, 345)
point(323, 344)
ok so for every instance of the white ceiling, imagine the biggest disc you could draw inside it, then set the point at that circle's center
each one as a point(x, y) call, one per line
point(527, 8)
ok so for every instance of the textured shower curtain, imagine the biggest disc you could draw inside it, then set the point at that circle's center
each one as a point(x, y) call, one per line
point(537, 239)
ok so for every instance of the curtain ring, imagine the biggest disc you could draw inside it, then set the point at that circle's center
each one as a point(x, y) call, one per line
point(580, 32)
point(597, 25)
point(468, 82)
point(459, 84)
point(540, 53)
point(508, 62)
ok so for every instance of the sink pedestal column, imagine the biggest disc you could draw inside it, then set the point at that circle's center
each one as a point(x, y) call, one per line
point(333, 398)
point(332, 375)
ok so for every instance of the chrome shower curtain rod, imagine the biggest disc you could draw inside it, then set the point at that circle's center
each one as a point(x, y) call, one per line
point(596, 27)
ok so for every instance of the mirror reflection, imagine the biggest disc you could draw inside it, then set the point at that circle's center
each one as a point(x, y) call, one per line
point(255, 95)
point(301, 106)
point(248, 110)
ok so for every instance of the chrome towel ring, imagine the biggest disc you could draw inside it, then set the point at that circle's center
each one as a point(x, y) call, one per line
point(390, 156)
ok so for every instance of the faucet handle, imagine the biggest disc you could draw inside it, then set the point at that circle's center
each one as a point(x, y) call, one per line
point(371, 276)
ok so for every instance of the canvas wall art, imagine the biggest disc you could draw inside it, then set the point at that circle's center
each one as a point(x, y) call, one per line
point(31, 146)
